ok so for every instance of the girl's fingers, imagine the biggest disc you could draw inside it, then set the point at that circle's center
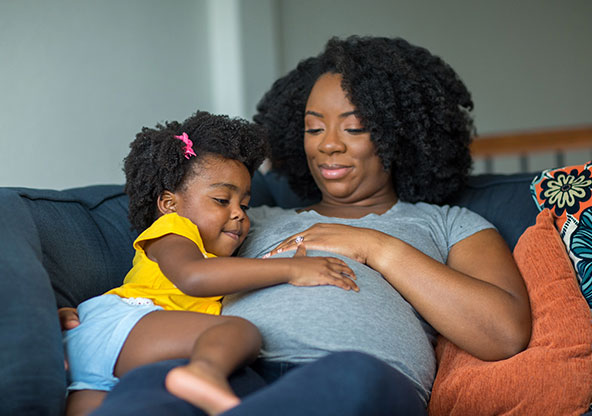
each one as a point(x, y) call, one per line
point(346, 282)
point(68, 318)
point(342, 267)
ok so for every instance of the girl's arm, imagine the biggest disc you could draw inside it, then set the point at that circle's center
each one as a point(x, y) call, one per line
point(478, 300)
point(184, 265)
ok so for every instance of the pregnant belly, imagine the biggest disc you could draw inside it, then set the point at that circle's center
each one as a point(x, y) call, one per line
point(300, 324)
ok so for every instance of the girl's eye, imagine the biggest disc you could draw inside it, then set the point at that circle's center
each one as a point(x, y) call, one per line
point(221, 201)
point(244, 207)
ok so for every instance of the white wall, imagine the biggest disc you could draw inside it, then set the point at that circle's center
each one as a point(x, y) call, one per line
point(528, 63)
point(260, 44)
point(79, 78)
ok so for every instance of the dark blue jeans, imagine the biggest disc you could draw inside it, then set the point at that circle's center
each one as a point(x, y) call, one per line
point(340, 384)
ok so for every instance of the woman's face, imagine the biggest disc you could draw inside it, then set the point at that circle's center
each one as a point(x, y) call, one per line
point(340, 154)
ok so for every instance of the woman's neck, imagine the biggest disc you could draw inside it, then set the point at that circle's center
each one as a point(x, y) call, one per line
point(353, 210)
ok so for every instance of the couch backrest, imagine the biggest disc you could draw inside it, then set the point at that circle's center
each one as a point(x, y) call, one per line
point(505, 200)
point(81, 237)
point(81, 240)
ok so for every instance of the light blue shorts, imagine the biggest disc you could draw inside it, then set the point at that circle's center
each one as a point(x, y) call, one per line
point(92, 348)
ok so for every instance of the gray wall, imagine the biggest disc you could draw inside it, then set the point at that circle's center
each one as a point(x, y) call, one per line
point(528, 63)
point(78, 78)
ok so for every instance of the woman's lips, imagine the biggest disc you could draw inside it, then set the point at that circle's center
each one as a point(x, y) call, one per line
point(334, 171)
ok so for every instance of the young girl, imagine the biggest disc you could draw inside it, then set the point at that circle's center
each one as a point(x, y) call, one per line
point(189, 189)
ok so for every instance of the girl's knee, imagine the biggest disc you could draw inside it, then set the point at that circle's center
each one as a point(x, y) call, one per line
point(240, 322)
point(247, 329)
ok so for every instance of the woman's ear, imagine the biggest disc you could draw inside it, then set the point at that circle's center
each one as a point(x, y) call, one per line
point(167, 203)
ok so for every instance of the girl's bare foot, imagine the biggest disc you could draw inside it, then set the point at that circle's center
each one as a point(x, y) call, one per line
point(203, 386)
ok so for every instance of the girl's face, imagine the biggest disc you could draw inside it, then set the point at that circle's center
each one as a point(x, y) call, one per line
point(340, 154)
point(216, 199)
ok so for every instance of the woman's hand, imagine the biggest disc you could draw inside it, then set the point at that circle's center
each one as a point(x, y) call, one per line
point(353, 242)
point(320, 271)
point(68, 318)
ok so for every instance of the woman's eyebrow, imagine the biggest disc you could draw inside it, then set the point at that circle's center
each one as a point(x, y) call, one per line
point(342, 115)
point(313, 113)
point(348, 113)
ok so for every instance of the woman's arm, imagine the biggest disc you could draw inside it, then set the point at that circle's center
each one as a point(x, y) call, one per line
point(478, 299)
point(181, 262)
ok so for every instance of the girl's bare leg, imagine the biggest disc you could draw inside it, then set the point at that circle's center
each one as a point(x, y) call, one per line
point(82, 402)
point(216, 346)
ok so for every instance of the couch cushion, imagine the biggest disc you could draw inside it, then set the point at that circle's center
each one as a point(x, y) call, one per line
point(504, 200)
point(85, 238)
point(553, 376)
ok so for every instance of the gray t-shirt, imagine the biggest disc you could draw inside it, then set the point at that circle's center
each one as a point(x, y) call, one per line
point(301, 324)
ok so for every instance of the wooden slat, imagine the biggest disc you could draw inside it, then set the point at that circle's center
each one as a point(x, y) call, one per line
point(524, 143)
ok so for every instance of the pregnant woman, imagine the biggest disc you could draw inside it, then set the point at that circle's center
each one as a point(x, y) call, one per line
point(376, 131)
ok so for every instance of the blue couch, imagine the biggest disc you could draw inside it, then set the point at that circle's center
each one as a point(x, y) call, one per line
point(58, 248)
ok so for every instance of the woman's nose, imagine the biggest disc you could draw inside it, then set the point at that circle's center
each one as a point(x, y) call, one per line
point(331, 142)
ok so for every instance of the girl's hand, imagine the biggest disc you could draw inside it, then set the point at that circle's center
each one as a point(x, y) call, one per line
point(68, 318)
point(353, 242)
point(320, 271)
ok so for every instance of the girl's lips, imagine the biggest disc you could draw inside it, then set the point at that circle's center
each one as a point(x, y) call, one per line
point(334, 171)
point(233, 235)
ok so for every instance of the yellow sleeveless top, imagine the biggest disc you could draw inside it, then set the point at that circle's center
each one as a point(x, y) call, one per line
point(145, 280)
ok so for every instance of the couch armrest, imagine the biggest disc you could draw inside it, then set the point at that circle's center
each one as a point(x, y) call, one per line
point(31, 358)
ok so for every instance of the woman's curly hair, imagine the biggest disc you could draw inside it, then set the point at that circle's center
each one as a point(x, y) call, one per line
point(414, 105)
point(157, 163)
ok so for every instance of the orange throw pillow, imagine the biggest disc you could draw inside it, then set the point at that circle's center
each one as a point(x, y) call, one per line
point(553, 376)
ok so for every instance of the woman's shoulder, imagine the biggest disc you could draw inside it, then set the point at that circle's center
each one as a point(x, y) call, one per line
point(446, 214)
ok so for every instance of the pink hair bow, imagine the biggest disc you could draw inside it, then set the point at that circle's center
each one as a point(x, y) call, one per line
point(188, 145)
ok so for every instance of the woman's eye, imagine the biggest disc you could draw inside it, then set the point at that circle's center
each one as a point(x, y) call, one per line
point(221, 201)
point(313, 131)
point(355, 131)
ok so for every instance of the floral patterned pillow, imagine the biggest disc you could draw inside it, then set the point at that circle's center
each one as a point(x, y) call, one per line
point(567, 192)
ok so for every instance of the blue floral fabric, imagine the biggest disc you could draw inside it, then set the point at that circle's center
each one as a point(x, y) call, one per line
point(567, 192)
point(581, 247)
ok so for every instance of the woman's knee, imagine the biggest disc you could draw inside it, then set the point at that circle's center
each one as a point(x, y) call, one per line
point(372, 380)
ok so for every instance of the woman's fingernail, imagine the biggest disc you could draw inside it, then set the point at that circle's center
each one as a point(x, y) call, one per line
point(266, 255)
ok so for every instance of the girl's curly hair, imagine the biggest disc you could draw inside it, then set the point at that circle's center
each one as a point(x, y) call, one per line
point(156, 161)
point(414, 105)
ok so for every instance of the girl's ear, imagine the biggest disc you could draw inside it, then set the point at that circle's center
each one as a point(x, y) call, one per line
point(167, 203)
